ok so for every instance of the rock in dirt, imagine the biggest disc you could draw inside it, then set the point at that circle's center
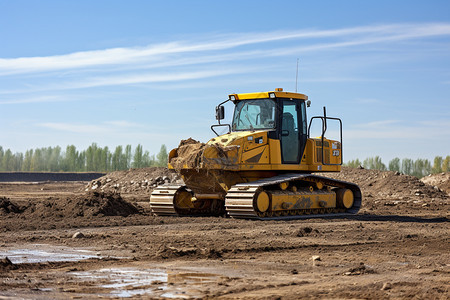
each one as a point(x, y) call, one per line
point(359, 270)
point(78, 235)
point(307, 231)
point(386, 286)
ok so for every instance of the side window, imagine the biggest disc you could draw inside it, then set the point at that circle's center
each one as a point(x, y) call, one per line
point(290, 112)
point(289, 132)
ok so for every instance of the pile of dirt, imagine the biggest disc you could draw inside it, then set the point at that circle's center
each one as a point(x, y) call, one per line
point(6, 206)
point(195, 155)
point(133, 181)
point(388, 184)
point(441, 180)
point(189, 153)
point(90, 204)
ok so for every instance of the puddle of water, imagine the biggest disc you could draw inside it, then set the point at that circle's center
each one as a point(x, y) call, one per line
point(39, 253)
point(130, 282)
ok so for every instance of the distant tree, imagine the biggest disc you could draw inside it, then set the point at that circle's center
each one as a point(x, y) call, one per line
point(55, 159)
point(394, 164)
point(427, 168)
point(407, 166)
point(374, 163)
point(36, 161)
point(437, 165)
point(70, 159)
point(17, 161)
point(162, 156)
point(446, 164)
point(128, 157)
point(81, 162)
point(8, 161)
point(152, 161)
point(26, 166)
point(146, 159)
point(1, 158)
point(421, 168)
point(105, 159)
point(354, 163)
point(90, 157)
point(98, 163)
point(117, 159)
point(138, 158)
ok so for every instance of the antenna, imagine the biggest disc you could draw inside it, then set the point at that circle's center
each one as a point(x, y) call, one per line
point(296, 77)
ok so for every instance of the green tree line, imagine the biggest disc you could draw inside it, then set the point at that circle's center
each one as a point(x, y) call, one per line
point(419, 167)
point(93, 159)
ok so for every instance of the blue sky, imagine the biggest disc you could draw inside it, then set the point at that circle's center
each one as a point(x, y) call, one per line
point(151, 72)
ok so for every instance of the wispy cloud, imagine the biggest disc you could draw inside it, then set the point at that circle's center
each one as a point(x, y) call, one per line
point(153, 54)
point(39, 99)
point(123, 124)
point(122, 79)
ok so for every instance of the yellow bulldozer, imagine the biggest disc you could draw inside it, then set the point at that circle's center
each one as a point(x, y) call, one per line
point(263, 168)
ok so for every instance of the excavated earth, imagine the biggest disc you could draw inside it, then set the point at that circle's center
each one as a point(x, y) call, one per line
point(98, 239)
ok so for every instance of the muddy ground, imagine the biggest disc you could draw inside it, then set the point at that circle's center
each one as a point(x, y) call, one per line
point(98, 240)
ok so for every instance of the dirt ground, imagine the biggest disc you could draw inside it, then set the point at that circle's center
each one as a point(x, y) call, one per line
point(98, 239)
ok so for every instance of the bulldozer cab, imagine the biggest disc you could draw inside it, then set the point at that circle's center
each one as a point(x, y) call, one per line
point(283, 117)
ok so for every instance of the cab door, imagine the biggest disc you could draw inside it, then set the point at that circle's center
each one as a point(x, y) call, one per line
point(293, 130)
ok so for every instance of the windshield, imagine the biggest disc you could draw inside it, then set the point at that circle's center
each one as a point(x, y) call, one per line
point(254, 114)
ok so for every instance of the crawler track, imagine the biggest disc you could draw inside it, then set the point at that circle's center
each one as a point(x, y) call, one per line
point(161, 200)
point(239, 202)
point(163, 203)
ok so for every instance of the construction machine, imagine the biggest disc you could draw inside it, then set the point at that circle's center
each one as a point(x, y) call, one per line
point(265, 167)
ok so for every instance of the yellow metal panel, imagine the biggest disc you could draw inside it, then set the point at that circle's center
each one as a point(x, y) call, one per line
point(305, 200)
point(255, 140)
point(246, 96)
point(275, 151)
point(291, 95)
point(264, 95)
point(258, 155)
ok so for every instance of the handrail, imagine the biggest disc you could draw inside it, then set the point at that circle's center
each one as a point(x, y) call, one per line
point(324, 128)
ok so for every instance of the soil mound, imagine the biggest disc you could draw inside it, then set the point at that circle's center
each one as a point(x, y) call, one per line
point(133, 181)
point(389, 186)
point(7, 206)
point(95, 204)
point(86, 205)
point(189, 153)
point(441, 180)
